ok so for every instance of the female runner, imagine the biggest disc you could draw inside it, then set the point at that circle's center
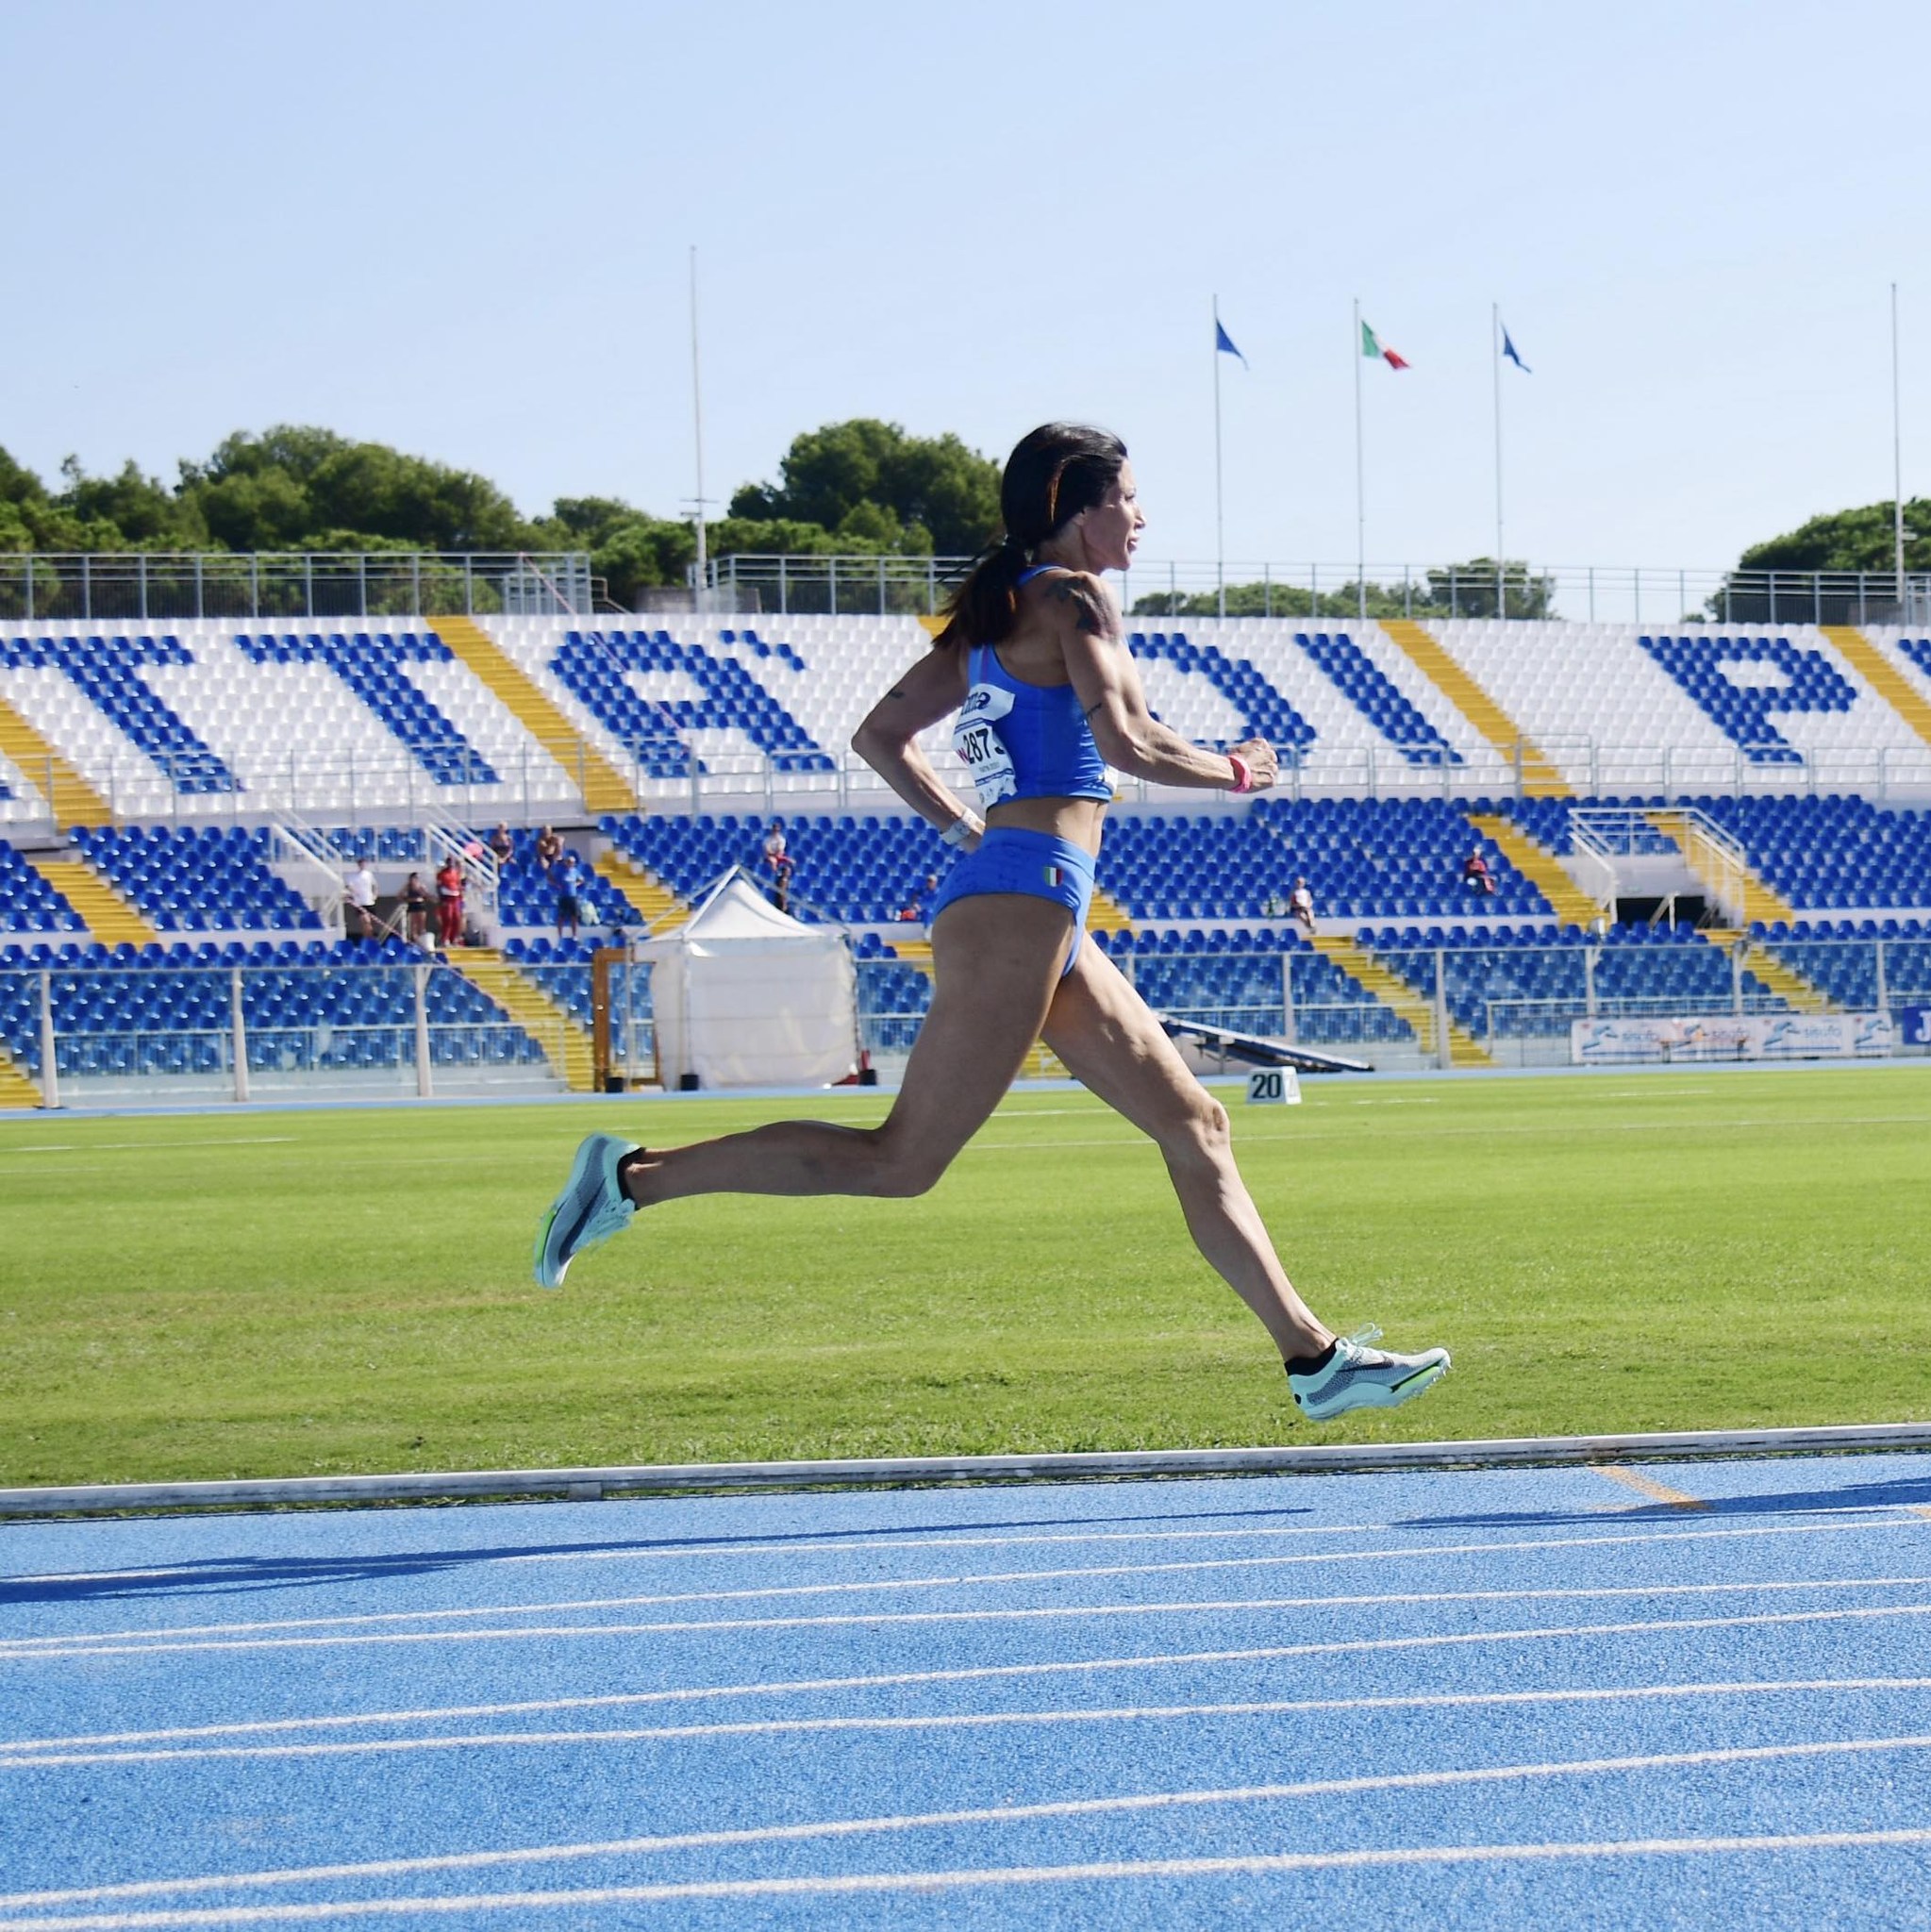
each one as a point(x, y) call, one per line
point(1033, 661)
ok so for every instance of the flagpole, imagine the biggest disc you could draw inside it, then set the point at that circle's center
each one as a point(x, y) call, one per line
point(1220, 539)
point(1897, 466)
point(1495, 356)
point(1360, 486)
point(697, 427)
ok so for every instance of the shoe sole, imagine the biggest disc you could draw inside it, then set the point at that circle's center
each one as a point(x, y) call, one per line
point(590, 1153)
point(1390, 1395)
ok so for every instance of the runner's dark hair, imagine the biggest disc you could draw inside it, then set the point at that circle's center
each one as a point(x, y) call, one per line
point(1054, 473)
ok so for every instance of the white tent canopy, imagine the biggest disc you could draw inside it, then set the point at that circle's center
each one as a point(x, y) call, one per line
point(745, 995)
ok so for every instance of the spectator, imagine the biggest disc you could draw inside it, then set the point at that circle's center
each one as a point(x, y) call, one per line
point(449, 884)
point(359, 889)
point(1273, 907)
point(549, 849)
point(1301, 905)
point(914, 908)
point(777, 857)
point(415, 905)
point(567, 876)
point(501, 846)
point(1475, 876)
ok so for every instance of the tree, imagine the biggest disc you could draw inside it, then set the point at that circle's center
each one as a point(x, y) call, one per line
point(871, 481)
point(141, 508)
point(1858, 540)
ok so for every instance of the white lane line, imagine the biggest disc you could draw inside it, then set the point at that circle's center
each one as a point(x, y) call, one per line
point(166, 1642)
point(900, 1679)
point(927, 1881)
point(671, 1734)
point(1299, 1136)
point(144, 1146)
point(1232, 1606)
point(1418, 1700)
point(169, 1637)
point(408, 1564)
point(166, 1637)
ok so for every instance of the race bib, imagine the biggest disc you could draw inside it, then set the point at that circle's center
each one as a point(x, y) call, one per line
point(978, 745)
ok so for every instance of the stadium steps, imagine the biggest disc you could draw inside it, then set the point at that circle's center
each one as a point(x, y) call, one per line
point(1762, 902)
point(73, 801)
point(1394, 993)
point(602, 784)
point(110, 921)
point(646, 894)
point(1881, 675)
point(1540, 867)
point(1107, 914)
point(17, 1089)
point(1540, 778)
point(565, 1044)
point(1789, 986)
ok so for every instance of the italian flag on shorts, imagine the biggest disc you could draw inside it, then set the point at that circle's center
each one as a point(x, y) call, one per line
point(1056, 875)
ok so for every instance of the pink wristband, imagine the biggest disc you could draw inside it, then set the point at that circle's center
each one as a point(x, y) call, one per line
point(1243, 778)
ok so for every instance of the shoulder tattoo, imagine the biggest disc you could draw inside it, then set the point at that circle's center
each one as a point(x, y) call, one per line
point(1089, 612)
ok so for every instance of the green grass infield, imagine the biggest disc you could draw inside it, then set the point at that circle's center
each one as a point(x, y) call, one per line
point(269, 1294)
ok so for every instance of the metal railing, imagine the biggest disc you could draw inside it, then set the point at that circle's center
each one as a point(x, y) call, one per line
point(252, 1032)
point(147, 586)
point(541, 782)
point(248, 1032)
point(1601, 593)
point(184, 587)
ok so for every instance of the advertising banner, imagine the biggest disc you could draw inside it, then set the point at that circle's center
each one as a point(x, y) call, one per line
point(1729, 1037)
point(1913, 1025)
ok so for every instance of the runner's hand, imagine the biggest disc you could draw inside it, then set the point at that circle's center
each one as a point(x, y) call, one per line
point(1262, 766)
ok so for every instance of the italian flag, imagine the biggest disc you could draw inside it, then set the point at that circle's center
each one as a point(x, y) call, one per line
point(1372, 346)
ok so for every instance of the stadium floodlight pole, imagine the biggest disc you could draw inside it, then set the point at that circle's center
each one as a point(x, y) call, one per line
point(1495, 356)
point(1220, 535)
point(1361, 485)
point(1897, 466)
point(697, 426)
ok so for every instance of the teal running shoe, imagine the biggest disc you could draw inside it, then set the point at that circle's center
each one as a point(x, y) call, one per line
point(591, 1208)
point(1359, 1376)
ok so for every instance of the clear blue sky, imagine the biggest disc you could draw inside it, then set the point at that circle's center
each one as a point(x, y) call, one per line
point(462, 227)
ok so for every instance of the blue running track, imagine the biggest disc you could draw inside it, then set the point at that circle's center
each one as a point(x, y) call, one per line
point(1696, 1695)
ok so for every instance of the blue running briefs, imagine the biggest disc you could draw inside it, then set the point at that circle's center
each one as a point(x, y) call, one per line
point(1011, 859)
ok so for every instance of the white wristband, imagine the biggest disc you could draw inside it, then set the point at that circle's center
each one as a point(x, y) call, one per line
point(967, 825)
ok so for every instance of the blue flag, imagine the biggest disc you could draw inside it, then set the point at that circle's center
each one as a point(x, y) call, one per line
point(1223, 342)
point(1508, 350)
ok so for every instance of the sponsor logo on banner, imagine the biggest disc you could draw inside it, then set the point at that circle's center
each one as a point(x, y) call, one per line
point(1913, 1025)
point(1730, 1037)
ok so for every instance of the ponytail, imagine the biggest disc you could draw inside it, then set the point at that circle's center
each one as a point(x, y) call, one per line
point(1056, 471)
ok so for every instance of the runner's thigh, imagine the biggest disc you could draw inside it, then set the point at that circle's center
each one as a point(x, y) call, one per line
point(996, 959)
point(1112, 1045)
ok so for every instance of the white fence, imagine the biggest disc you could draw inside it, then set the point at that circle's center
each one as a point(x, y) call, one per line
point(375, 789)
point(193, 586)
point(1600, 594)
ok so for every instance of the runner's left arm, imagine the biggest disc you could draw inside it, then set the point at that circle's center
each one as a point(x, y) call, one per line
point(887, 740)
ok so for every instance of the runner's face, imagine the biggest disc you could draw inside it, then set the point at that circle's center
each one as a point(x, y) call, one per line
point(1111, 529)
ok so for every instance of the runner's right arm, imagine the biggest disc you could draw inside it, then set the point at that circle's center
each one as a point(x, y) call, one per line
point(932, 690)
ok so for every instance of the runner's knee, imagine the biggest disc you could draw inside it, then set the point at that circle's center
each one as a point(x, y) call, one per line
point(901, 1173)
point(1202, 1135)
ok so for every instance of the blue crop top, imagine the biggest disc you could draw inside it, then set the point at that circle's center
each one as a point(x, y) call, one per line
point(1025, 740)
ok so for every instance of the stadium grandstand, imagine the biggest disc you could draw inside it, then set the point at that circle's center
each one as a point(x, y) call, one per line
point(1693, 838)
